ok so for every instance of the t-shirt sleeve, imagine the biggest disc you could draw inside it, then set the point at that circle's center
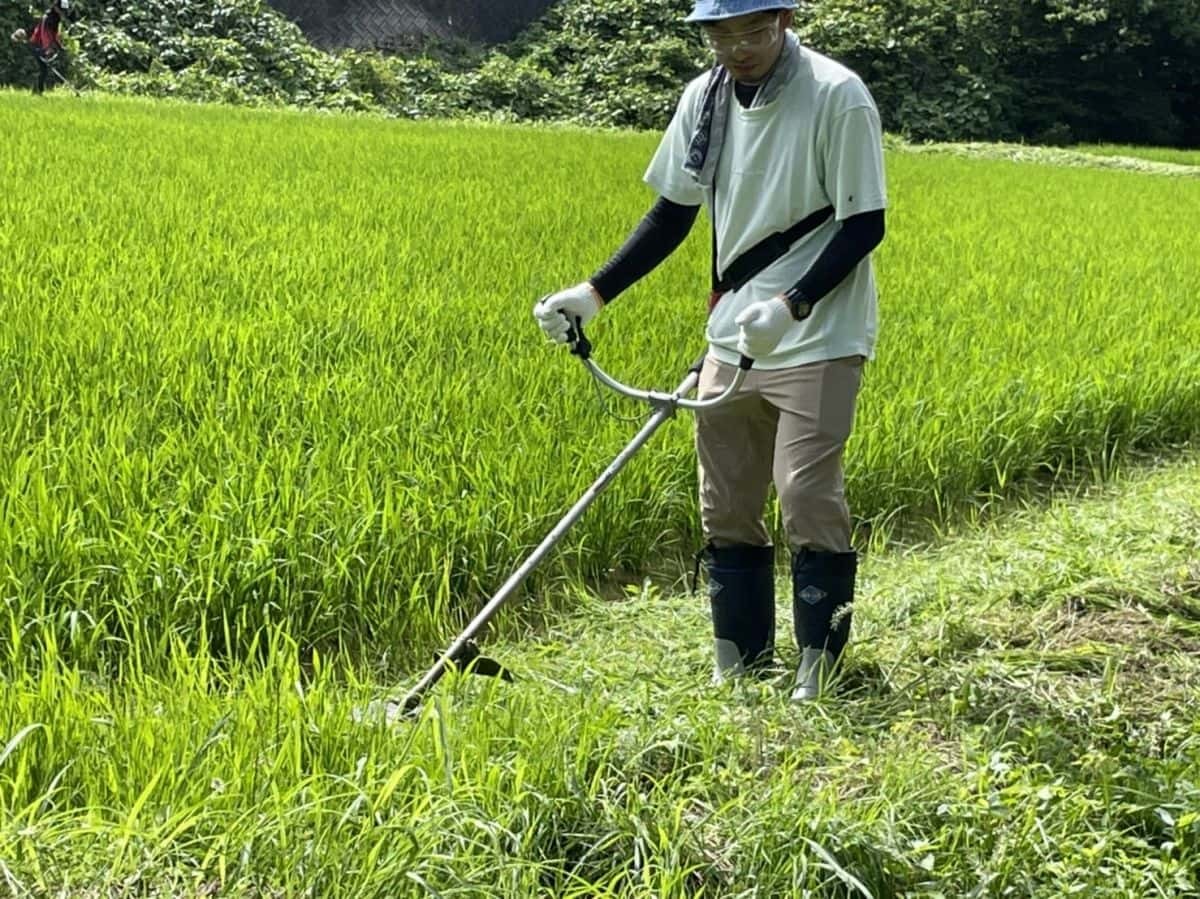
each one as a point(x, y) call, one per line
point(854, 176)
point(665, 172)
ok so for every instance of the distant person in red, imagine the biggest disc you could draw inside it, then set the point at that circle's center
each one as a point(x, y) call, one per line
point(44, 41)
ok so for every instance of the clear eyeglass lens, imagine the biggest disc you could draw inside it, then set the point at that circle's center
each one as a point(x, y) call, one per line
point(726, 44)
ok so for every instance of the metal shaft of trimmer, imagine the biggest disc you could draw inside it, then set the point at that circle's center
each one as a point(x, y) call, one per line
point(665, 408)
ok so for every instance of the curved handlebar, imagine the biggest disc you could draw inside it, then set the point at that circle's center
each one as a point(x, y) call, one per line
point(582, 347)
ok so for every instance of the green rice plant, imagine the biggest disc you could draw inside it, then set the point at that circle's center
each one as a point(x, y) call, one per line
point(268, 369)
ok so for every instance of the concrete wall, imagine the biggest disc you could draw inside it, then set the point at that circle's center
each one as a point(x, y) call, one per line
point(393, 23)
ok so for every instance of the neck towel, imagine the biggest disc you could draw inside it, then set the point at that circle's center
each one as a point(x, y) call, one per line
point(705, 148)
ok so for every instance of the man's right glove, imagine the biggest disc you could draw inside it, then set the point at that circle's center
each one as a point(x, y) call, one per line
point(580, 302)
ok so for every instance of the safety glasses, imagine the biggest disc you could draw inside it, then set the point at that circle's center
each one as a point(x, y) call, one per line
point(726, 44)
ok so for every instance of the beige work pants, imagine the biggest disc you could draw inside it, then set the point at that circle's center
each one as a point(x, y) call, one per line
point(789, 426)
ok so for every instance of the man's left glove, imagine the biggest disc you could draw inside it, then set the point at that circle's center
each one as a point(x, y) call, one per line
point(763, 325)
point(580, 303)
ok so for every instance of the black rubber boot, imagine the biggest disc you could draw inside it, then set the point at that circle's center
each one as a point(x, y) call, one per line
point(822, 601)
point(741, 593)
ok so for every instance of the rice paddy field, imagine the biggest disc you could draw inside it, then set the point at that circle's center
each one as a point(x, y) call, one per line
point(275, 419)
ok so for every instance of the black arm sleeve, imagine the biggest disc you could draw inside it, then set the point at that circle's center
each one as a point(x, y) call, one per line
point(657, 235)
point(857, 236)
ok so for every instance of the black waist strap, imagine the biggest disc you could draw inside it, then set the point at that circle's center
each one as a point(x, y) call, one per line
point(763, 253)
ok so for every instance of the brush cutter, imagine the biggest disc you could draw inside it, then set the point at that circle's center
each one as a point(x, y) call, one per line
point(50, 60)
point(464, 653)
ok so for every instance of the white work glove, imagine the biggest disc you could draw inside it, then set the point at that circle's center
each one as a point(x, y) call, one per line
point(763, 325)
point(580, 302)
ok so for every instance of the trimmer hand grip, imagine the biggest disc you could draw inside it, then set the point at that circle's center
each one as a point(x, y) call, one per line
point(580, 345)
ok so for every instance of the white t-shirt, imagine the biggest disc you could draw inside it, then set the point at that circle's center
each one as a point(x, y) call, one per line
point(819, 143)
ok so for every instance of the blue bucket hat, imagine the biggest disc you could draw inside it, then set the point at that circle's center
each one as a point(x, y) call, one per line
point(715, 10)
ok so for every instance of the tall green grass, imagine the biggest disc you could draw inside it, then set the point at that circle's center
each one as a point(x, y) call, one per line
point(263, 368)
point(1017, 719)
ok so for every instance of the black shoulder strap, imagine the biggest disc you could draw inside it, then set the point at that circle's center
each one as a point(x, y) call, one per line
point(763, 253)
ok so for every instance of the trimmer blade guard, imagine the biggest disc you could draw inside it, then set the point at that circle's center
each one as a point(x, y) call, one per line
point(471, 660)
point(468, 659)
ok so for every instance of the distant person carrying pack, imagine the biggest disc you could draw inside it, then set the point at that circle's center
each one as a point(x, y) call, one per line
point(44, 41)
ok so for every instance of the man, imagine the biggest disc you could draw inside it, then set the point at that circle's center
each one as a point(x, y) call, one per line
point(45, 42)
point(774, 137)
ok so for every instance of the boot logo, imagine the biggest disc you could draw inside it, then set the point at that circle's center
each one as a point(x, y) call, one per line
point(812, 595)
